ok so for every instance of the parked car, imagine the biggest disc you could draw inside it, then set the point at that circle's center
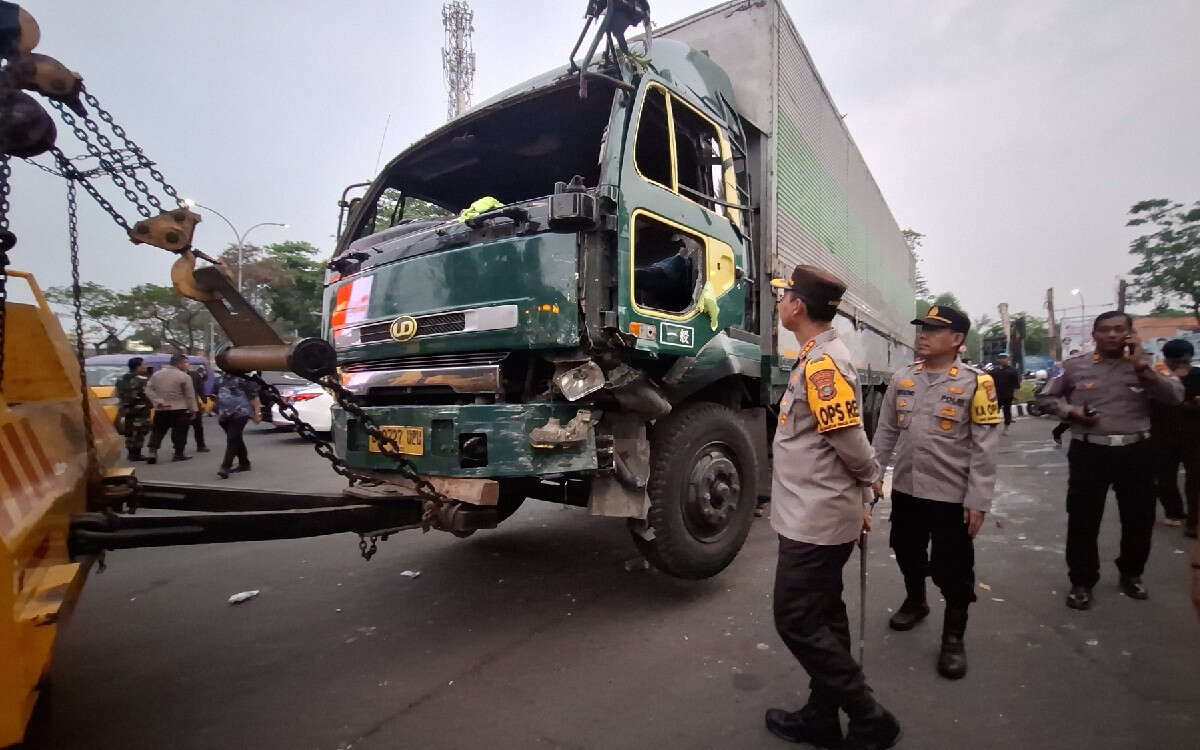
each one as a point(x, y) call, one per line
point(284, 382)
point(314, 405)
point(104, 370)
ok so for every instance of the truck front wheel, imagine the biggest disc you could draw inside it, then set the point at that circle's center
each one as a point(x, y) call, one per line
point(701, 490)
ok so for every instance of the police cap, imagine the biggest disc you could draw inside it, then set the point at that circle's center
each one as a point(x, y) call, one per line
point(813, 285)
point(941, 316)
point(1178, 349)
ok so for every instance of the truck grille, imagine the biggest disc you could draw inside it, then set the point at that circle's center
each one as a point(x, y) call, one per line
point(427, 325)
point(426, 362)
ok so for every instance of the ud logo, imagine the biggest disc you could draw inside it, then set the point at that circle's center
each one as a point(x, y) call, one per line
point(404, 328)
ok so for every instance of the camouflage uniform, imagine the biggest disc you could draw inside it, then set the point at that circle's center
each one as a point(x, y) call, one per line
point(136, 408)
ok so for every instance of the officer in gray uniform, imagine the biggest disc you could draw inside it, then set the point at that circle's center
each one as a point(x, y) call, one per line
point(1106, 399)
point(940, 417)
point(823, 463)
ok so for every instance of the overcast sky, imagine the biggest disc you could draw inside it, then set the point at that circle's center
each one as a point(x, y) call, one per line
point(1015, 135)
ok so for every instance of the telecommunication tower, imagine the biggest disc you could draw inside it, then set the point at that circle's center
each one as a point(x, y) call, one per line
point(458, 59)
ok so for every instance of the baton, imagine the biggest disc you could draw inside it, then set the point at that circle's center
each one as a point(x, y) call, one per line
point(862, 582)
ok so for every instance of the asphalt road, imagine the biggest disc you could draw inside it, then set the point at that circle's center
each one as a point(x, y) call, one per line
point(536, 635)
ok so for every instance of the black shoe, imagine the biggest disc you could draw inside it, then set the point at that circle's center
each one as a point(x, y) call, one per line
point(180, 457)
point(1080, 597)
point(806, 725)
point(202, 449)
point(1133, 587)
point(152, 458)
point(136, 457)
point(910, 613)
point(876, 732)
point(243, 467)
point(1190, 532)
point(952, 660)
point(223, 472)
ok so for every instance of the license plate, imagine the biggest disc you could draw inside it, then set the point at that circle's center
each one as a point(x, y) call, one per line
point(410, 439)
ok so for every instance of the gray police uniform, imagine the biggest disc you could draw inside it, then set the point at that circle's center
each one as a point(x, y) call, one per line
point(822, 464)
point(1113, 452)
point(942, 429)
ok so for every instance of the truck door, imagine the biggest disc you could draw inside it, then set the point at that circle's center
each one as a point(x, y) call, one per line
point(678, 247)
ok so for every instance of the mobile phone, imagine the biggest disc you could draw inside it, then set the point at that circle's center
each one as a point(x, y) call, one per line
point(1089, 411)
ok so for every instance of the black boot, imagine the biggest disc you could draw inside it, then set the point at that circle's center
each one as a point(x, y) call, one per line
point(914, 609)
point(136, 456)
point(952, 661)
point(875, 731)
point(815, 725)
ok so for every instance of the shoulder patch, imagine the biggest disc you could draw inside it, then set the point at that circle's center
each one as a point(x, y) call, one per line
point(830, 396)
point(985, 409)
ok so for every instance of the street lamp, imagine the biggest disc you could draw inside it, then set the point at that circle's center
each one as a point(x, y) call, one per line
point(240, 238)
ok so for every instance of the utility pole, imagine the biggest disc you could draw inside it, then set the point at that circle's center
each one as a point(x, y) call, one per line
point(458, 58)
point(1052, 327)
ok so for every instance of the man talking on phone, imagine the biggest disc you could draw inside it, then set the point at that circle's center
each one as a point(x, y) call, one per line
point(1106, 398)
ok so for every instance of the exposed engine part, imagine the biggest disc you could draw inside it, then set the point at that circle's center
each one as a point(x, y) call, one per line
point(580, 381)
point(622, 494)
point(641, 397)
point(554, 434)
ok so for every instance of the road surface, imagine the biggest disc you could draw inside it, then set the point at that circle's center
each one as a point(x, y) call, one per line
point(535, 635)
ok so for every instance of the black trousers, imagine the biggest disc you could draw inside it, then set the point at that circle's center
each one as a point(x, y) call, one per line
point(176, 421)
point(1169, 453)
point(930, 538)
point(1006, 408)
point(1129, 469)
point(235, 445)
point(810, 617)
point(198, 428)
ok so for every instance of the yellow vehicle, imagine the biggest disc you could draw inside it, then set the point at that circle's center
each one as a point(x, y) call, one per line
point(104, 370)
point(48, 473)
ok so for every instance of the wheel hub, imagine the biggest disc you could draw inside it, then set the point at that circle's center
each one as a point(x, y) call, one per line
point(713, 492)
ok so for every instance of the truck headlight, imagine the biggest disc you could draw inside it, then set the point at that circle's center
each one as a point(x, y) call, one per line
point(344, 337)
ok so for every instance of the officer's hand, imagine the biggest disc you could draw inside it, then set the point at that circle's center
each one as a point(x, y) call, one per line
point(877, 488)
point(1076, 415)
point(866, 522)
point(1135, 353)
point(974, 520)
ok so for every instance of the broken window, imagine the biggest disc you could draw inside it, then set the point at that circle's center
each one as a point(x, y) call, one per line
point(698, 154)
point(668, 266)
point(653, 151)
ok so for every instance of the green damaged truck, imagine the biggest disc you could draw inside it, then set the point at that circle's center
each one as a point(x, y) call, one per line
point(568, 295)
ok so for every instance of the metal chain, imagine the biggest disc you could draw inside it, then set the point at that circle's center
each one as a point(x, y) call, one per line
point(432, 500)
point(5, 174)
point(129, 144)
point(77, 299)
point(71, 173)
point(95, 151)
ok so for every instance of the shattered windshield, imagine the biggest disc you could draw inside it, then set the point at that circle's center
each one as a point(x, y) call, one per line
point(512, 151)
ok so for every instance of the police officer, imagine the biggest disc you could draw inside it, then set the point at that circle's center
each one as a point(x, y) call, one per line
point(823, 463)
point(1175, 435)
point(135, 407)
point(1007, 380)
point(1106, 398)
point(939, 417)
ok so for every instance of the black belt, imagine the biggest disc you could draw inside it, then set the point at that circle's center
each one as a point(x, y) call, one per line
point(1114, 440)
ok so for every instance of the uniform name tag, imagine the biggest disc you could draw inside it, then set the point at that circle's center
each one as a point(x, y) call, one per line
point(830, 396)
point(985, 409)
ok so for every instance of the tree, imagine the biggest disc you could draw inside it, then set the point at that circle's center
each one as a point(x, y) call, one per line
point(1169, 269)
point(99, 306)
point(389, 212)
point(913, 239)
point(162, 319)
point(294, 299)
point(1037, 333)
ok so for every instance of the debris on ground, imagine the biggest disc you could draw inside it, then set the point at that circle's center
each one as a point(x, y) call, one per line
point(410, 573)
point(243, 596)
point(637, 563)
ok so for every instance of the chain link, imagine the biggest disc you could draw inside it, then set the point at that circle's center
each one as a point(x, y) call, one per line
point(432, 500)
point(130, 145)
point(95, 151)
point(5, 175)
point(77, 300)
point(69, 171)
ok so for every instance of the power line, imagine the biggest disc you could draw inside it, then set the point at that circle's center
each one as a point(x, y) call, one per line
point(458, 58)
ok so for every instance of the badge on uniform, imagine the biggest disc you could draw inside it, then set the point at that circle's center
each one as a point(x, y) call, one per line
point(985, 409)
point(956, 390)
point(830, 396)
point(907, 383)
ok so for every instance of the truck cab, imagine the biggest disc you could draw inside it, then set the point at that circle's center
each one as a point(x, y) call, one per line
point(543, 288)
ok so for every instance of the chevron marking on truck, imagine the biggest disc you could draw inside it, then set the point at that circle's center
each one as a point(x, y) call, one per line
point(23, 467)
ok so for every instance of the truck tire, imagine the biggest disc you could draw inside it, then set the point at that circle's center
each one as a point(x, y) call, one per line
point(702, 491)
